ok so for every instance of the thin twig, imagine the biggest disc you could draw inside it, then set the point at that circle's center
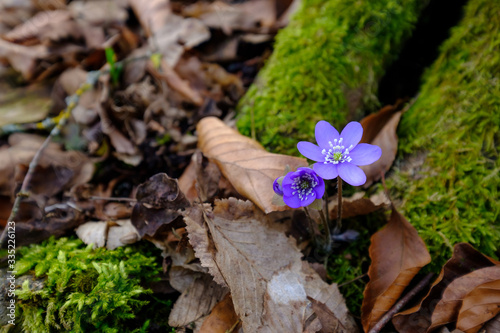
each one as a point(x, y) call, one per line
point(24, 191)
point(353, 280)
point(311, 223)
point(112, 199)
point(328, 236)
point(401, 303)
point(338, 227)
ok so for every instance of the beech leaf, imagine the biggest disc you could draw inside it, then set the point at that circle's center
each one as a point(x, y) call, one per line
point(222, 317)
point(465, 259)
point(447, 309)
point(270, 286)
point(244, 162)
point(397, 254)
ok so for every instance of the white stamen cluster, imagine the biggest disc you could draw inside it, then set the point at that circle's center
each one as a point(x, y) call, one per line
point(337, 152)
point(303, 186)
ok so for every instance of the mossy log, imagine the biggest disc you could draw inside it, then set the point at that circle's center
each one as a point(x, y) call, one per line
point(325, 66)
point(452, 194)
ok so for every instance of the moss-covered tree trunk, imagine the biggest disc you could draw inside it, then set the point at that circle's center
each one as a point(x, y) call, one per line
point(452, 194)
point(326, 65)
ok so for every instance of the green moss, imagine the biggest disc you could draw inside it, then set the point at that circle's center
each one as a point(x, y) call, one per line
point(84, 290)
point(325, 66)
point(455, 125)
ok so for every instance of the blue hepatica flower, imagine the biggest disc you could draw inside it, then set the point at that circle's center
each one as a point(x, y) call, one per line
point(300, 188)
point(340, 155)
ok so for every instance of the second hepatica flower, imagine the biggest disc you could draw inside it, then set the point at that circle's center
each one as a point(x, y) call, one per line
point(340, 154)
point(300, 188)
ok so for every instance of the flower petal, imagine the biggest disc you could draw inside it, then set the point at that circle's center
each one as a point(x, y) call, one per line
point(311, 151)
point(309, 200)
point(292, 201)
point(351, 134)
point(365, 154)
point(324, 133)
point(326, 171)
point(351, 174)
point(320, 188)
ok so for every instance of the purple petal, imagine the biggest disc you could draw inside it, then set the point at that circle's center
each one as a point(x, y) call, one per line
point(292, 201)
point(320, 188)
point(351, 174)
point(288, 179)
point(278, 189)
point(324, 133)
point(365, 154)
point(326, 171)
point(311, 151)
point(309, 200)
point(351, 134)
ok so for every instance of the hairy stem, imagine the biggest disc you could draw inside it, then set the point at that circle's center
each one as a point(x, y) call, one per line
point(338, 227)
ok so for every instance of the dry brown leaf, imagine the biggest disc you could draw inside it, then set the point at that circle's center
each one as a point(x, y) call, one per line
point(24, 104)
point(244, 162)
point(386, 139)
point(196, 301)
point(23, 58)
point(447, 309)
point(358, 205)
point(222, 317)
point(68, 167)
point(262, 267)
point(397, 254)
point(493, 326)
point(113, 234)
point(158, 202)
point(465, 259)
point(479, 306)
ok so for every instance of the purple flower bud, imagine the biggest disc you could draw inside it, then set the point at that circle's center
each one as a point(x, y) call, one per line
point(278, 189)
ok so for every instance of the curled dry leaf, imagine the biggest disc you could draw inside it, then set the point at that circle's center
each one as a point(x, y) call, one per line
point(397, 254)
point(222, 317)
point(380, 129)
point(159, 200)
point(493, 325)
point(246, 251)
point(465, 259)
point(449, 305)
point(196, 301)
point(479, 306)
point(358, 205)
point(244, 162)
point(111, 234)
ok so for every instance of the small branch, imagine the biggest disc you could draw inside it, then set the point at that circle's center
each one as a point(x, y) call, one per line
point(401, 303)
point(113, 199)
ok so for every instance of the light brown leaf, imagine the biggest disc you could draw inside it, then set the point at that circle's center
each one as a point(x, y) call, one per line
point(222, 317)
point(386, 139)
point(196, 301)
point(448, 307)
point(397, 254)
point(262, 267)
point(479, 306)
point(113, 234)
point(465, 259)
point(493, 326)
point(244, 162)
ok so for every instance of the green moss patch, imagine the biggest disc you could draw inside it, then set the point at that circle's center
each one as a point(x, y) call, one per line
point(325, 66)
point(84, 290)
point(453, 196)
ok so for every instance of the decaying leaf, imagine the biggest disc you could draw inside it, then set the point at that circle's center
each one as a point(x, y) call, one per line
point(196, 301)
point(358, 205)
point(68, 168)
point(24, 104)
point(480, 305)
point(465, 259)
point(493, 325)
point(448, 307)
point(111, 234)
point(380, 129)
point(262, 268)
point(397, 254)
point(222, 317)
point(244, 162)
point(159, 200)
